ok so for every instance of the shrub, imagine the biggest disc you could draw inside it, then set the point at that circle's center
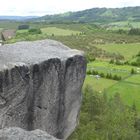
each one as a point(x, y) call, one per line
point(102, 75)
point(89, 72)
point(34, 31)
point(90, 57)
point(118, 62)
point(138, 54)
point(116, 77)
point(23, 27)
point(111, 61)
point(132, 71)
point(134, 31)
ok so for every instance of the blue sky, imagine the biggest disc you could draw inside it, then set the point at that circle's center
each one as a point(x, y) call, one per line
point(44, 7)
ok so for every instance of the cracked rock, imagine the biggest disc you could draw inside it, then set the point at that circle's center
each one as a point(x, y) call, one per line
point(40, 86)
point(15, 133)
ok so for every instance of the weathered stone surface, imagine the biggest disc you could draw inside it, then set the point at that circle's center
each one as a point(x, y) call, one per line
point(40, 86)
point(15, 133)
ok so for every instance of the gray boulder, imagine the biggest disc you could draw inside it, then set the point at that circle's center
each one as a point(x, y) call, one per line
point(40, 86)
point(20, 134)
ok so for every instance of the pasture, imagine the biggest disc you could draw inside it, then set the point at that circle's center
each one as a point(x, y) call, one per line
point(58, 31)
point(127, 50)
point(128, 87)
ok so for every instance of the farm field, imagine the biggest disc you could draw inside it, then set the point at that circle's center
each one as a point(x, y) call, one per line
point(128, 87)
point(99, 84)
point(129, 92)
point(105, 67)
point(54, 31)
point(58, 31)
point(125, 25)
point(127, 50)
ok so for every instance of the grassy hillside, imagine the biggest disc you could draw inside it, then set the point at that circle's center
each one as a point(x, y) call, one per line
point(96, 15)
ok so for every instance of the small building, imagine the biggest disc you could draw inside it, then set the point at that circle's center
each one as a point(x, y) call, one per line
point(8, 34)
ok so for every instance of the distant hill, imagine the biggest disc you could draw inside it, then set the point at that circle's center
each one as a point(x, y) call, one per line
point(17, 18)
point(95, 15)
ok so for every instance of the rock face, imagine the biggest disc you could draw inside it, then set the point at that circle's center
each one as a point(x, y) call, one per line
point(40, 86)
point(20, 134)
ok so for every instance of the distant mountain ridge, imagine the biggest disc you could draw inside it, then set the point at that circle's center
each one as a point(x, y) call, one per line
point(17, 18)
point(95, 15)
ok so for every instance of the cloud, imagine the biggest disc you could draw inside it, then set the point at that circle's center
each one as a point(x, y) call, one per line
point(43, 7)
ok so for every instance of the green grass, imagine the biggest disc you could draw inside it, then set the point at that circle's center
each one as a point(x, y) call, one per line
point(98, 85)
point(105, 67)
point(22, 31)
point(58, 31)
point(128, 87)
point(125, 25)
point(134, 79)
point(129, 92)
point(127, 50)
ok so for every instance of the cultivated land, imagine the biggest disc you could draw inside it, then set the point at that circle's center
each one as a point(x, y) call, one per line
point(127, 50)
point(58, 31)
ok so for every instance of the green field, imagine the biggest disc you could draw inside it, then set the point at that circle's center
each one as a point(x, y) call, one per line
point(127, 50)
point(125, 25)
point(129, 92)
point(58, 31)
point(105, 67)
point(128, 87)
point(134, 79)
point(99, 84)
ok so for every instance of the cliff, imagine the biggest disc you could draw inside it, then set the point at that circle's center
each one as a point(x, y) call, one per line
point(40, 86)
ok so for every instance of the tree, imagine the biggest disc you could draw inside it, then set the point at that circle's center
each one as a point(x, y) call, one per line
point(134, 31)
point(103, 119)
point(132, 71)
point(23, 27)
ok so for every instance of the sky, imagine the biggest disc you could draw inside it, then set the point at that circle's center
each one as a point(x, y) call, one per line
point(45, 7)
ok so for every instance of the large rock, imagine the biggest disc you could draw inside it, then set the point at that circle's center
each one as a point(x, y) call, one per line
point(20, 134)
point(40, 86)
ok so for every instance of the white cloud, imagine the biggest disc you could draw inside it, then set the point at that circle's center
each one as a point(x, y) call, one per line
point(43, 7)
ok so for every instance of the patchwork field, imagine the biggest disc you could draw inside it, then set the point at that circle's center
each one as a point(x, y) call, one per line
point(58, 31)
point(127, 50)
point(129, 91)
point(128, 87)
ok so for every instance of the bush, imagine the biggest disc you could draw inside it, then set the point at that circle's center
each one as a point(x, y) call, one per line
point(116, 77)
point(132, 71)
point(102, 75)
point(94, 72)
point(89, 72)
point(90, 57)
point(138, 54)
point(23, 27)
point(111, 61)
point(118, 62)
point(109, 76)
point(136, 63)
point(134, 31)
point(34, 31)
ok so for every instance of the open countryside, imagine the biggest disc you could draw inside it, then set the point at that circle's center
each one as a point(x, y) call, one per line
point(111, 91)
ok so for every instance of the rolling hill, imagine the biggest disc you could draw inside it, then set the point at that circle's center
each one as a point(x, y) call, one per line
point(95, 15)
